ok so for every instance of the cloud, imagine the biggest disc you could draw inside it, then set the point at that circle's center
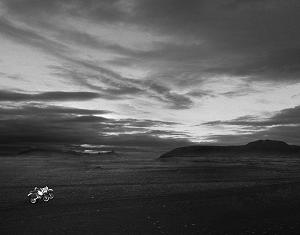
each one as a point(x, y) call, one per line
point(213, 46)
point(48, 110)
point(186, 49)
point(114, 86)
point(31, 38)
point(276, 65)
point(250, 38)
point(47, 96)
point(104, 10)
point(34, 124)
point(283, 125)
point(289, 116)
point(91, 41)
point(288, 134)
point(107, 11)
point(121, 85)
point(201, 93)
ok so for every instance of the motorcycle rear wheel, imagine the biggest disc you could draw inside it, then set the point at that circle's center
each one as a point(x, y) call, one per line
point(46, 198)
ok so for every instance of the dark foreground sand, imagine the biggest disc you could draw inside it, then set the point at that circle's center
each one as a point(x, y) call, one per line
point(96, 196)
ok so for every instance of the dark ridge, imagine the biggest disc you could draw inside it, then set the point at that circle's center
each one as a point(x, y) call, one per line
point(30, 150)
point(255, 147)
point(268, 144)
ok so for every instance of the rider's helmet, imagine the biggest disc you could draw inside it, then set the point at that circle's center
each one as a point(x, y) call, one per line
point(40, 192)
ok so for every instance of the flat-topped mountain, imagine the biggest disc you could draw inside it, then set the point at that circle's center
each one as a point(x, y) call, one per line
point(268, 144)
point(255, 147)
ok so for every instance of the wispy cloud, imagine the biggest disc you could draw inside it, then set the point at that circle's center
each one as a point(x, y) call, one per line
point(31, 38)
point(47, 96)
point(186, 61)
point(289, 116)
point(122, 85)
point(283, 125)
point(116, 86)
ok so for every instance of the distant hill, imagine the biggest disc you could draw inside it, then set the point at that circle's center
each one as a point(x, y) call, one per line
point(269, 144)
point(265, 147)
point(45, 152)
point(51, 151)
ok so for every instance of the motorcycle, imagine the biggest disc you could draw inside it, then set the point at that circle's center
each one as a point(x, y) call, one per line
point(44, 194)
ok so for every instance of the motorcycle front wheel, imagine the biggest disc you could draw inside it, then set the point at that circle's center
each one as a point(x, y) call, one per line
point(51, 195)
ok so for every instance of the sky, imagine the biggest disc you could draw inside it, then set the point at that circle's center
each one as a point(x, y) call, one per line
point(149, 73)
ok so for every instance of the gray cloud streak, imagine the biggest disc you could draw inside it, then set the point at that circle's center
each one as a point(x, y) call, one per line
point(256, 40)
point(48, 96)
point(284, 125)
point(124, 85)
point(289, 116)
point(61, 125)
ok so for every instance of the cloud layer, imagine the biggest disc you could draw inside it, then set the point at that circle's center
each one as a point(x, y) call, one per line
point(184, 62)
point(48, 96)
point(61, 125)
point(284, 125)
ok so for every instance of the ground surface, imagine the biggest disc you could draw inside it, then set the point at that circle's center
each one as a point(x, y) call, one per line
point(138, 196)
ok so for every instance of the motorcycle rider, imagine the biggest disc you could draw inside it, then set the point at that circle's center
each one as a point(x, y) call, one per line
point(41, 191)
point(45, 189)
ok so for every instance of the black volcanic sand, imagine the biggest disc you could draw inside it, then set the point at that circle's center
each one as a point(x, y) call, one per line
point(234, 195)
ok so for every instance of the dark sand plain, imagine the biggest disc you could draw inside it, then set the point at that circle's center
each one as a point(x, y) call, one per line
point(95, 194)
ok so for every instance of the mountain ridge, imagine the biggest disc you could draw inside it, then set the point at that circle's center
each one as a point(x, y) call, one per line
point(258, 147)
